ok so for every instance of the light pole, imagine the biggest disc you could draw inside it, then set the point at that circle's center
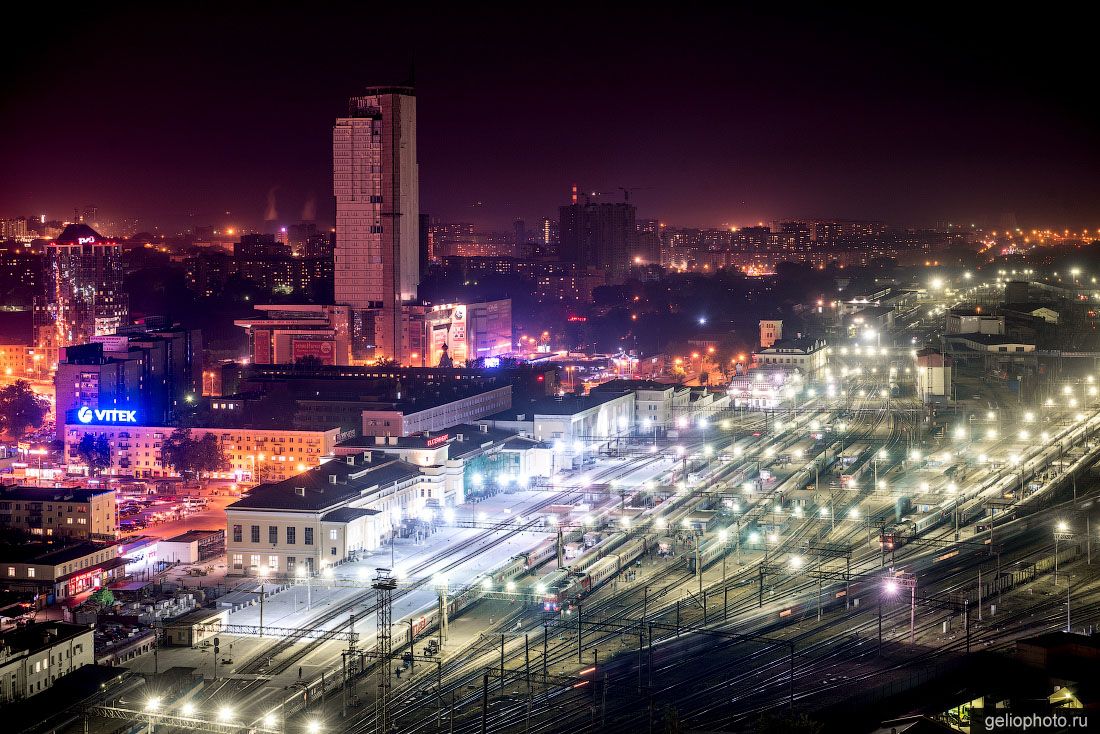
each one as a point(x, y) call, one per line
point(263, 578)
point(892, 586)
point(1061, 532)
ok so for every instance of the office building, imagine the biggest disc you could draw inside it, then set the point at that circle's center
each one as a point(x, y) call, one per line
point(152, 372)
point(465, 332)
point(377, 217)
point(82, 295)
point(292, 334)
point(418, 413)
point(89, 514)
point(20, 273)
point(598, 235)
point(32, 658)
point(13, 229)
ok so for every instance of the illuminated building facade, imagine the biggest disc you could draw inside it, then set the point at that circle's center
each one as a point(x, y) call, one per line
point(377, 217)
point(90, 514)
point(254, 454)
point(82, 295)
point(469, 331)
point(292, 334)
point(326, 515)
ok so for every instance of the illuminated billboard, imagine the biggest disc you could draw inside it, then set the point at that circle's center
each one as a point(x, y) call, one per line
point(108, 416)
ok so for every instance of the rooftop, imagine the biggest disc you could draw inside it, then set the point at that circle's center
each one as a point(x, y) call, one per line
point(50, 494)
point(987, 339)
point(74, 233)
point(621, 385)
point(565, 405)
point(795, 345)
point(330, 485)
point(192, 535)
point(40, 635)
point(51, 555)
point(347, 514)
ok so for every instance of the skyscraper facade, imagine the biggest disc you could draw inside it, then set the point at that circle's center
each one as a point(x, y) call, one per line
point(598, 235)
point(375, 181)
point(82, 295)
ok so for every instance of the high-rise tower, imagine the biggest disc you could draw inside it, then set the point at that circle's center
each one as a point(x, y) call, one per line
point(83, 295)
point(377, 216)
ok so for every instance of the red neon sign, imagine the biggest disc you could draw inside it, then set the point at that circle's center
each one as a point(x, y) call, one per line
point(437, 440)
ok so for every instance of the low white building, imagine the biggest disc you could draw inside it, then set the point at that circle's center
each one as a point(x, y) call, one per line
point(325, 515)
point(809, 356)
point(933, 376)
point(973, 321)
point(575, 426)
point(657, 405)
point(447, 456)
point(33, 658)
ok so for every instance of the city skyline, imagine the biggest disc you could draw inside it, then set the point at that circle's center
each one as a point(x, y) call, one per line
point(769, 118)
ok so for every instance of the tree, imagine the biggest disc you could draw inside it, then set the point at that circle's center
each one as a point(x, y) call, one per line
point(95, 450)
point(211, 456)
point(103, 597)
point(178, 452)
point(21, 409)
point(190, 456)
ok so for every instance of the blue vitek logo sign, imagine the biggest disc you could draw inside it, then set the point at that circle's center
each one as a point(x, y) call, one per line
point(89, 415)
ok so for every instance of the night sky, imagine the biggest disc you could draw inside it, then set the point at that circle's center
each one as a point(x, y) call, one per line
point(716, 118)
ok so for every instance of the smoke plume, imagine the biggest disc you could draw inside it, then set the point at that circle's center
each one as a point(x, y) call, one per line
point(271, 213)
point(309, 209)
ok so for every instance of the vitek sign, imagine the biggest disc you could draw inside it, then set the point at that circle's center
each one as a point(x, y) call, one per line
point(92, 415)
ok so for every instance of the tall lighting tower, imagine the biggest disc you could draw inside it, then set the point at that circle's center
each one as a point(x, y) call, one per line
point(384, 584)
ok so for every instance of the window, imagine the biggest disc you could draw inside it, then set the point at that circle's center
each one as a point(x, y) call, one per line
point(273, 563)
point(273, 534)
point(255, 533)
point(291, 535)
point(332, 534)
point(332, 551)
point(30, 573)
point(238, 531)
point(309, 536)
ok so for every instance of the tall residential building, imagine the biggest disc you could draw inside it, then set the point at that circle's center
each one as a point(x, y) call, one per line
point(599, 235)
point(377, 216)
point(82, 295)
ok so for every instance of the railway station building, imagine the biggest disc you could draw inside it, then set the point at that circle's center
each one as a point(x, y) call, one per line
point(326, 515)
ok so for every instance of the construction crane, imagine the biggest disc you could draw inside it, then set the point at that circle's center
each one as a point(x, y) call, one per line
point(626, 191)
